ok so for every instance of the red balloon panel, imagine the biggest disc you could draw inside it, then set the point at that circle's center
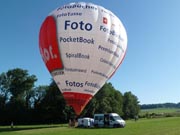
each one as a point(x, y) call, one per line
point(49, 46)
point(77, 100)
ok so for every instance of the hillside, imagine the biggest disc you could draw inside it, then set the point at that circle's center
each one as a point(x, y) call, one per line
point(160, 105)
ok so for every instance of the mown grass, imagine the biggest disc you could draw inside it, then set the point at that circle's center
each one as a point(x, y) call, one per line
point(158, 126)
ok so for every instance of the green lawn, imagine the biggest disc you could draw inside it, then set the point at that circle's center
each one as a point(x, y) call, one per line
point(158, 126)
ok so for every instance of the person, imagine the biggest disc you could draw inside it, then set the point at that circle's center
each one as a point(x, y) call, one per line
point(136, 118)
point(70, 122)
point(12, 125)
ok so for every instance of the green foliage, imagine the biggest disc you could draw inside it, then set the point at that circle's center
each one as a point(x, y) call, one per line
point(54, 105)
point(162, 105)
point(107, 100)
point(14, 86)
point(131, 106)
point(23, 103)
point(17, 82)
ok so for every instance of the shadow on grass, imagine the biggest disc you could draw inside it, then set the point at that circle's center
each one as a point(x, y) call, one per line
point(18, 128)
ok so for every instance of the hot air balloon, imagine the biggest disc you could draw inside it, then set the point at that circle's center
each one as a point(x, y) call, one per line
point(82, 45)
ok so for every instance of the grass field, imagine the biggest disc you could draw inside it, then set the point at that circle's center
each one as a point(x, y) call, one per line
point(158, 126)
point(161, 110)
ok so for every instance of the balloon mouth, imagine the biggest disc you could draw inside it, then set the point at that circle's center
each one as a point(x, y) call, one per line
point(77, 100)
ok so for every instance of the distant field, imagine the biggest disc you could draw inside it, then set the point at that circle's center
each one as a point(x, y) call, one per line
point(158, 126)
point(161, 110)
point(170, 111)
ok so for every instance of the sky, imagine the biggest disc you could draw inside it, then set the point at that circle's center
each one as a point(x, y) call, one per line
point(151, 67)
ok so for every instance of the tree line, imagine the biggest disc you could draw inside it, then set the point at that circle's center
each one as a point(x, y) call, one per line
point(22, 102)
point(162, 105)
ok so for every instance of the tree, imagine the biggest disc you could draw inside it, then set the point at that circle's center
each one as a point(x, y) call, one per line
point(14, 85)
point(36, 96)
point(22, 102)
point(107, 100)
point(54, 106)
point(17, 82)
point(130, 105)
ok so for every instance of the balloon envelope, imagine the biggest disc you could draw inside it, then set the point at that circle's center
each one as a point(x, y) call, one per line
point(82, 45)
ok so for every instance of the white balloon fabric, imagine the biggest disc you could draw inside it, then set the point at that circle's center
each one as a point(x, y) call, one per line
point(82, 45)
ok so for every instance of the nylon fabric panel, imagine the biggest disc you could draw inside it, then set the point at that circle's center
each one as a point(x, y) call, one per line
point(91, 42)
point(48, 45)
point(77, 101)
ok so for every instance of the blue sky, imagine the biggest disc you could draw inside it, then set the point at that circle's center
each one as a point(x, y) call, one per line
point(151, 68)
